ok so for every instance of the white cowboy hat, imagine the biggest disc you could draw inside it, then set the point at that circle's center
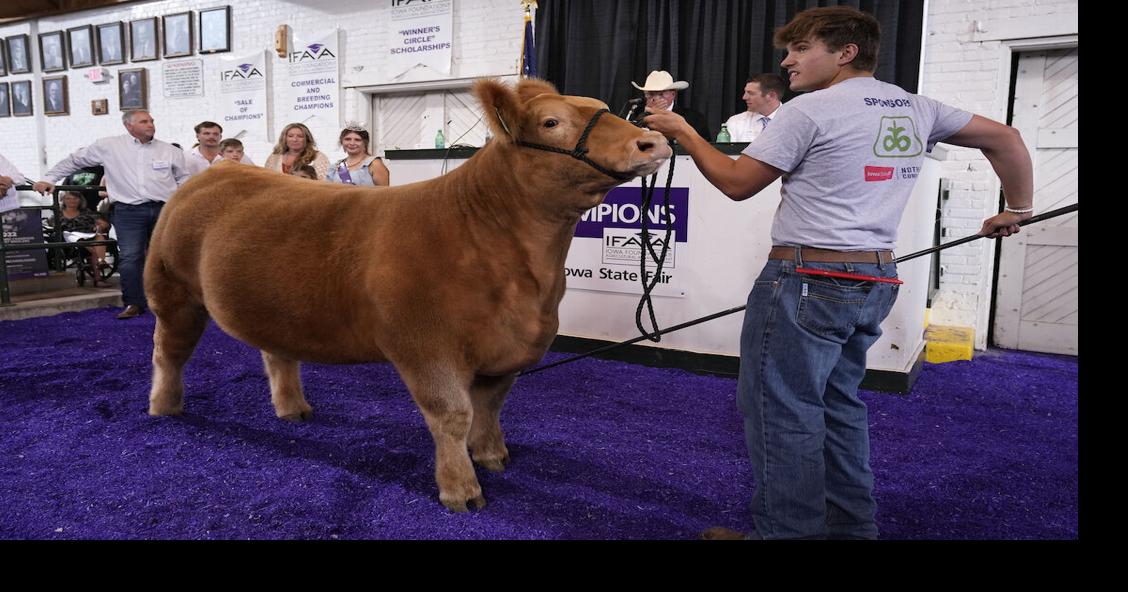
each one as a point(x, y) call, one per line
point(661, 80)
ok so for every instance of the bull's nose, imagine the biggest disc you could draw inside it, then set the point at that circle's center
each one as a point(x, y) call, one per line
point(649, 142)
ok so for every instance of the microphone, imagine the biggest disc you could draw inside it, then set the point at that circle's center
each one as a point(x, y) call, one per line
point(634, 104)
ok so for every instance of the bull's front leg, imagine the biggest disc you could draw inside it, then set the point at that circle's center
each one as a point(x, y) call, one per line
point(487, 443)
point(444, 398)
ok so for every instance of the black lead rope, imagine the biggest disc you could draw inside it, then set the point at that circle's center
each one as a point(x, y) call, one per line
point(660, 260)
point(724, 313)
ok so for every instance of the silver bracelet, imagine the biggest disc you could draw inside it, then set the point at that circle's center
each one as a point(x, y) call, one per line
point(1019, 210)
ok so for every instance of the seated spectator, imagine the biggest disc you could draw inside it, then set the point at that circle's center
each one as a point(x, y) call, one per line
point(296, 147)
point(79, 223)
point(231, 149)
point(762, 96)
point(306, 172)
point(358, 167)
point(92, 177)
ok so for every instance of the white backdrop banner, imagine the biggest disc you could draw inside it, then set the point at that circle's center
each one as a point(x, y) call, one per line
point(420, 33)
point(312, 93)
point(608, 244)
point(242, 87)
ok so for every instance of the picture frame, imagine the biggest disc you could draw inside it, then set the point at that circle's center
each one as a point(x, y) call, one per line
point(133, 89)
point(99, 106)
point(5, 100)
point(52, 51)
point(111, 43)
point(23, 104)
point(80, 41)
point(215, 30)
point(55, 99)
point(19, 53)
point(179, 34)
point(3, 60)
point(144, 39)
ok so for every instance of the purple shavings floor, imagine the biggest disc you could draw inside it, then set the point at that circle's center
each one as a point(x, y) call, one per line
point(985, 449)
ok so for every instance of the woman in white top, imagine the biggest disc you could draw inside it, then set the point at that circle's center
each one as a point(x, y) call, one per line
point(358, 167)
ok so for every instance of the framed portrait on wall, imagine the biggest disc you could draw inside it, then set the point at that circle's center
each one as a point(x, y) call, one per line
point(133, 89)
point(143, 37)
point(3, 60)
point(215, 30)
point(19, 55)
point(55, 100)
point(21, 99)
point(5, 100)
point(178, 37)
point(81, 43)
point(111, 44)
point(52, 54)
point(100, 106)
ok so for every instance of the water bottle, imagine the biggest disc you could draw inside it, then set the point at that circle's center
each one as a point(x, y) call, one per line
point(723, 136)
point(440, 141)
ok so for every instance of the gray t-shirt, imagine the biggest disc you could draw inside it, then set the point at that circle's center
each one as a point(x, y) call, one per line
point(850, 155)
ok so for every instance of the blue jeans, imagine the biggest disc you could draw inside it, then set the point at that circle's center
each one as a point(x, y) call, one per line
point(802, 357)
point(134, 225)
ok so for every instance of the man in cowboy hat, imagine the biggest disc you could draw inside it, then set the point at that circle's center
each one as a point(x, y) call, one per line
point(661, 90)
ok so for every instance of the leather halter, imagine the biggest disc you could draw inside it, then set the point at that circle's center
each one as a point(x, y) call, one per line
point(580, 151)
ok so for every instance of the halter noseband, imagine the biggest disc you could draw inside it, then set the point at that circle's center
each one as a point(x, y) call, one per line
point(580, 151)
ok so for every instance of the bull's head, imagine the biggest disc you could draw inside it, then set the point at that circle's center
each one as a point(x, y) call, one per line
point(606, 149)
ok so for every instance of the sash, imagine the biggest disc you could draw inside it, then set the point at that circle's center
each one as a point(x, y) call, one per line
point(343, 173)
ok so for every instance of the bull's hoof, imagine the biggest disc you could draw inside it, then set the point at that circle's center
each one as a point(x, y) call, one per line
point(459, 505)
point(296, 415)
point(158, 410)
point(497, 465)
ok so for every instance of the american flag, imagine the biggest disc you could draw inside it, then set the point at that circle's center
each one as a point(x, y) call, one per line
point(529, 47)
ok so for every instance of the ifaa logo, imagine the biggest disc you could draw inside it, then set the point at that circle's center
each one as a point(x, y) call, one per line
point(312, 52)
point(243, 72)
point(624, 246)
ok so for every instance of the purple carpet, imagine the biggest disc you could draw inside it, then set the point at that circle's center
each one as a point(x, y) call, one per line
point(985, 449)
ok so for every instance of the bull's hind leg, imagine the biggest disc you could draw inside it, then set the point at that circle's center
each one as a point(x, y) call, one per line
point(180, 322)
point(487, 443)
point(444, 399)
point(286, 387)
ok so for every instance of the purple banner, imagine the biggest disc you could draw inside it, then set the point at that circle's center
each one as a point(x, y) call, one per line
point(621, 210)
point(22, 227)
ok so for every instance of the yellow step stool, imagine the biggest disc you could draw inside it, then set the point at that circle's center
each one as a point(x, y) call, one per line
point(944, 343)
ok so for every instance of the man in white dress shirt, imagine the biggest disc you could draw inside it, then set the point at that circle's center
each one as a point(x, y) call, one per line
point(762, 95)
point(206, 152)
point(9, 178)
point(142, 173)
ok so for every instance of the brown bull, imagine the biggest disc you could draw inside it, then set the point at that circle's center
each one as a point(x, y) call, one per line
point(456, 281)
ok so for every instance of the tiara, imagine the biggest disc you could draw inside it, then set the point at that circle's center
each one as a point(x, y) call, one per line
point(355, 126)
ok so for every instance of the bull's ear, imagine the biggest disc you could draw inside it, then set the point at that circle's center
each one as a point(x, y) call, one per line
point(500, 106)
point(531, 87)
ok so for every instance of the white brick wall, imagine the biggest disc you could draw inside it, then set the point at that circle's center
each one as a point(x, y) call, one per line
point(970, 74)
point(487, 42)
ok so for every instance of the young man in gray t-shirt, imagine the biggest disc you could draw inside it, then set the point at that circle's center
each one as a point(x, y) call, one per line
point(849, 152)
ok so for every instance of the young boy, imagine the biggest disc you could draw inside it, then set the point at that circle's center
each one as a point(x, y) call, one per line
point(306, 172)
point(803, 347)
point(231, 149)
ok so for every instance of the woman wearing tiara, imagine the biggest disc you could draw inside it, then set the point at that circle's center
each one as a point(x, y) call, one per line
point(358, 167)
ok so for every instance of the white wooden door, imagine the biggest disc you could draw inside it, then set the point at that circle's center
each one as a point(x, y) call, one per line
point(1036, 305)
point(409, 121)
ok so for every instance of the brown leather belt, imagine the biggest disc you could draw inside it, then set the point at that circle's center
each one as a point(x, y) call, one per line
point(827, 256)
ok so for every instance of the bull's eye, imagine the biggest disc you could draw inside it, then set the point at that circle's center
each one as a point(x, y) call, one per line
point(550, 123)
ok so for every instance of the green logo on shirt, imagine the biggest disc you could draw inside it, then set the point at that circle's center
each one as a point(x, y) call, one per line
point(897, 138)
